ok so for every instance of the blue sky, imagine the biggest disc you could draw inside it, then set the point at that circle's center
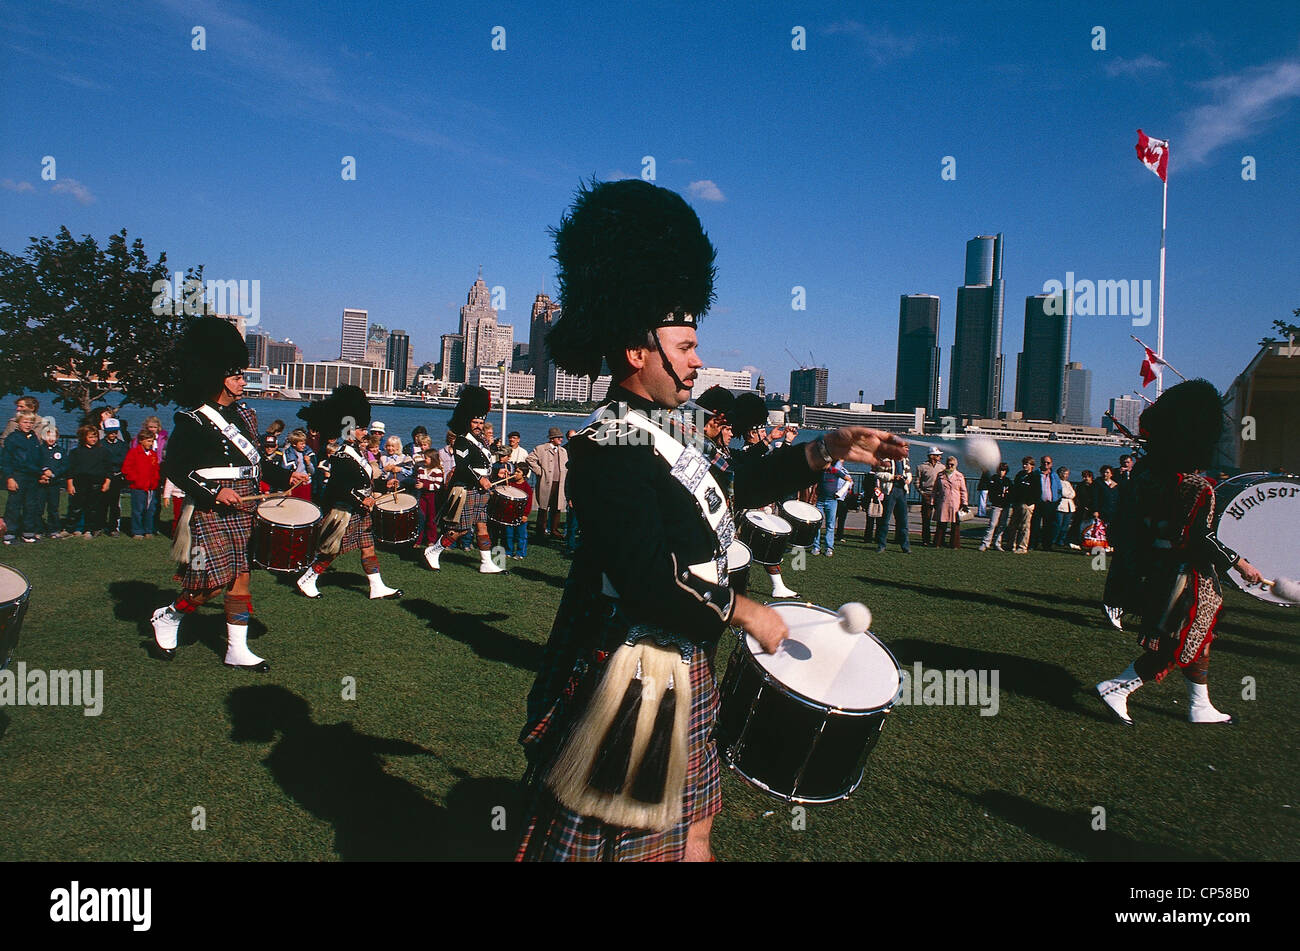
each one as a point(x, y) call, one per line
point(819, 168)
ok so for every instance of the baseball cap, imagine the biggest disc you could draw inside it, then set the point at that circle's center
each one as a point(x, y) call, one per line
point(111, 423)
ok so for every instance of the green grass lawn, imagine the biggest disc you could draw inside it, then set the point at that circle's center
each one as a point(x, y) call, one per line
point(416, 765)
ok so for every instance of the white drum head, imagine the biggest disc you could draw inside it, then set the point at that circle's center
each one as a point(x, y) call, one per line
point(397, 503)
point(1262, 523)
point(288, 512)
point(12, 585)
point(826, 664)
point(772, 524)
point(801, 511)
point(738, 556)
point(510, 492)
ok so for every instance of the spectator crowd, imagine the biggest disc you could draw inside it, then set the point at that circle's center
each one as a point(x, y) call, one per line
point(108, 461)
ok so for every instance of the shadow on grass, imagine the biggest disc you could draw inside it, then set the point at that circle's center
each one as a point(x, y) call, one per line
point(486, 641)
point(1058, 599)
point(137, 600)
point(983, 598)
point(532, 574)
point(1072, 830)
point(336, 774)
point(1018, 675)
point(4, 724)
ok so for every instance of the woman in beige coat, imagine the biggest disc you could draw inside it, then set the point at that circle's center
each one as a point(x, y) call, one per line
point(950, 498)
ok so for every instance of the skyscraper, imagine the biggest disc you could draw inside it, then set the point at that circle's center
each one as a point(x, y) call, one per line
point(1040, 383)
point(1126, 410)
point(808, 386)
point(1078, 395)
point(452, 358)
point(976, 364)
point(399, 346)
point(540, 322)
point(256, 342)
point(916, 382)
point(353, 346)
point(486, 342)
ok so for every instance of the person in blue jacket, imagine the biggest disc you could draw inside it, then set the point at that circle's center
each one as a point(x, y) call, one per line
point(54, 467)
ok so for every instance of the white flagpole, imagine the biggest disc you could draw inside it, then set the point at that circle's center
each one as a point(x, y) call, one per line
point(505, 371)
point(1160, 329)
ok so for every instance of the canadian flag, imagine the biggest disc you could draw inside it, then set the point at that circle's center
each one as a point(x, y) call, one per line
point(1149, 363)
point(1153, 153)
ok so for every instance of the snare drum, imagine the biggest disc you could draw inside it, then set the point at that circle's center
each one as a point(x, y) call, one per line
point(507, 504)
point(805, 522)
point(768, 536)
point(799, 724)
point(284, 534)
point(1258, 515)
point(14, 593)
point(738, 559)
point(396, 519)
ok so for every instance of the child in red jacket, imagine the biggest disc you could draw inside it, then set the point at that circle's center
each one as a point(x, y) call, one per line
point(143, 476)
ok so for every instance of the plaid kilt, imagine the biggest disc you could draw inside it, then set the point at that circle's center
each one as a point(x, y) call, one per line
point(219, 542)
point(359, 533)
point(475, 507)
point(555, 834)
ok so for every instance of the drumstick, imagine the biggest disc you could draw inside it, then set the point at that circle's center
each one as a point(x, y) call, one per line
point(265, 495)
point(855, 618)
point(1288, 589)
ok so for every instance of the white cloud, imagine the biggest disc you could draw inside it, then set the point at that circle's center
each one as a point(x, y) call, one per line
point(882, 44)
point(74, 188)
point(1119, 66)
point(1244, 102)
point(14, 186)
point(705, 190)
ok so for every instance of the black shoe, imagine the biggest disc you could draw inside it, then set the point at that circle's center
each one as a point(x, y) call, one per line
point(161, 653)
point(387, 597)
point(258, 668)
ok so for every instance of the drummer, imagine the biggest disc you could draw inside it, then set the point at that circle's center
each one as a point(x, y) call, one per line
point(748, 415)
point(348, 496)
point(636, 272)
point(466, 507)
point(1167, 557)
point(212, 458)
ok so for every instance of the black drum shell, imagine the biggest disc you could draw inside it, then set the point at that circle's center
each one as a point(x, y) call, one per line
point(804, 533)
point(766, 547)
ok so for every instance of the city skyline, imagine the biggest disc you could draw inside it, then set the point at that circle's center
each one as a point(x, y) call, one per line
point(819, 173)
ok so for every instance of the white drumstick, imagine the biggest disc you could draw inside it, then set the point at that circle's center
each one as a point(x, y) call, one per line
point(1288, 589)
point(855, 618)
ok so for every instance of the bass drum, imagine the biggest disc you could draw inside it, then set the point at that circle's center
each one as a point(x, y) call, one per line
point(1258, 516)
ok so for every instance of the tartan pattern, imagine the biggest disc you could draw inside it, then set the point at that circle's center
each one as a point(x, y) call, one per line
point(359, 533)
point(475, 508)
point(555, 834)
point(222, 538)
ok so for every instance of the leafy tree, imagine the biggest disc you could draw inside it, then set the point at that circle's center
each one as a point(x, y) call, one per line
point(74, 309)
point(1286, 329)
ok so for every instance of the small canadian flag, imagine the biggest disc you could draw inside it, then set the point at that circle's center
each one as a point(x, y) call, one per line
point(1153, 153)
point(1149, 363)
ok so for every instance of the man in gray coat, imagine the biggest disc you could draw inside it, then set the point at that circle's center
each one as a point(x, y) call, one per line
point(550, 461)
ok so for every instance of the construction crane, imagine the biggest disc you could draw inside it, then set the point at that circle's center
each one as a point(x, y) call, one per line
point(796, 359)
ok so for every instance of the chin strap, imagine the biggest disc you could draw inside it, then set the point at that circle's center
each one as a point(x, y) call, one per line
point(668, 366)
